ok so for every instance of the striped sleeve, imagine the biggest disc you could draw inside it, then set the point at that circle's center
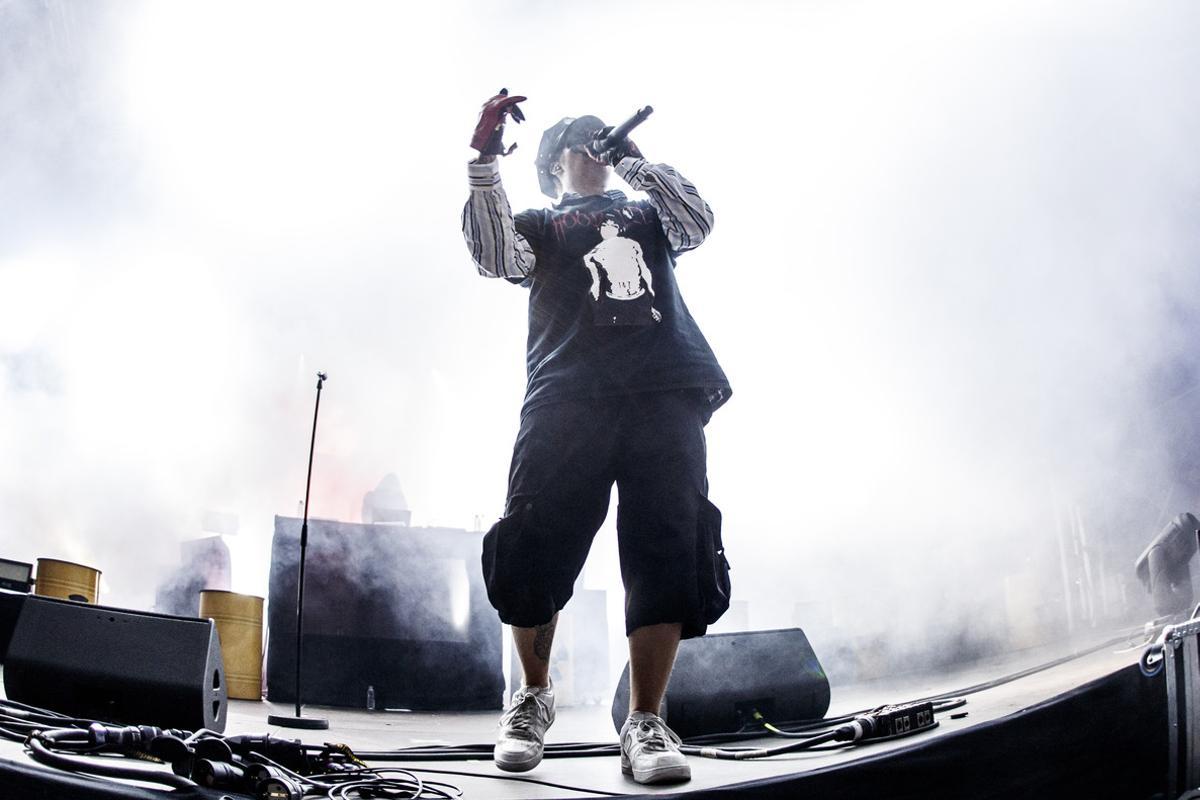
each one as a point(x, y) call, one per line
point(686, 218)
point(488, 227)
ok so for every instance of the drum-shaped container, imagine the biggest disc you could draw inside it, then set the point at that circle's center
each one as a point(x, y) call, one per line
point(67, 581)
point(239, 621)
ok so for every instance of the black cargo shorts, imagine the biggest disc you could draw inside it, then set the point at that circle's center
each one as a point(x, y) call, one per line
point(566, 459)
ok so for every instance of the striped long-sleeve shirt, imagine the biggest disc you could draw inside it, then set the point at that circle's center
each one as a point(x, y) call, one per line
point(501, 251)
point(487, 225)
point(605, 314)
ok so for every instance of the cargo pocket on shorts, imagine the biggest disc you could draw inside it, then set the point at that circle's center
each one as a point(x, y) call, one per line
point(503, 546)
point(712, 569)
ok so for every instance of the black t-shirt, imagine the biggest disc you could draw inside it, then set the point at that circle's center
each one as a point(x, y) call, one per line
point(605, 314)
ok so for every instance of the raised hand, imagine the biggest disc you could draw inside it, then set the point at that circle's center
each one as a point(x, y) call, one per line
point(489, 130)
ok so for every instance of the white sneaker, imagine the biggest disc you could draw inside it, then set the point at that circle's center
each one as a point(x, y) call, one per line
point(650, 750)
point(523, 728)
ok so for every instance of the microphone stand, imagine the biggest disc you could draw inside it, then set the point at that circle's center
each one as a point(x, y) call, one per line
point(298, 721)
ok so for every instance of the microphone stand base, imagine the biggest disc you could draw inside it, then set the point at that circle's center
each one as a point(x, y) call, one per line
point(307, 723)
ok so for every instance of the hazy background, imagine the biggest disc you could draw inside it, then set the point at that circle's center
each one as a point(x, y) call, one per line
point(953, 280)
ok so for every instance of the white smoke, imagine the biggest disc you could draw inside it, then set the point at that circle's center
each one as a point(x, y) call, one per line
point(953, 262)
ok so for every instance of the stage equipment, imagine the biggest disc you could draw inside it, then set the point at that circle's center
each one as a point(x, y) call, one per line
point(1177, 652)
point(400, 609)
point(1163, 566)
point(204, 564)
point(116, 664)
point(11, 604)
point(239, 619)
point(16, 582)
point(722, 679)
point(298, 721)
point(67, 581)
point(386, 503)
point(16, 576)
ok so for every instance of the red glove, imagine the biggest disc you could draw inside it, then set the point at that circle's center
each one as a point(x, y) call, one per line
point(490, 129)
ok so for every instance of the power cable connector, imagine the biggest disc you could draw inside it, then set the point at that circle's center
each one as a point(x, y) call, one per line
point(888, 722)
point(288, 752)
point(128, 737)
point(280, 788)
point(218, 774)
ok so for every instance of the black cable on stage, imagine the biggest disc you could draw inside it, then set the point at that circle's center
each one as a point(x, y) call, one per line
point(473, 752)
point(804, 730)
point(335, 785)
point(585, 750)
point(39, 752)
point(34, 709)
point(809, 740)
point(341, 784)
point(519, 780)
point(329, 781)
point(412, 784)
point(14, 736)
point(787, 734)
point(745, 753)
point(34, 714)
point(942, 706)
point(332, 780)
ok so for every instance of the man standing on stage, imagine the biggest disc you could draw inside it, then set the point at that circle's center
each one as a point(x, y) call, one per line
point(620, 386)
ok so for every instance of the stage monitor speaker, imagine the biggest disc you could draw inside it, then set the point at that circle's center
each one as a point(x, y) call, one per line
point(10, 611)
point(1163, 566)
point(117, 665)
point(720, 680)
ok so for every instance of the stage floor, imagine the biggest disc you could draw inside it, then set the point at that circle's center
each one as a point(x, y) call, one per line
point(385, 730)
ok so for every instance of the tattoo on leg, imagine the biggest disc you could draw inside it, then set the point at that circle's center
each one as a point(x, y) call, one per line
point(543, 637)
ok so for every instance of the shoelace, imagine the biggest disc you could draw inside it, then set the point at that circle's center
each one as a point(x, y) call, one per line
point(654, 735)
point(519, 719)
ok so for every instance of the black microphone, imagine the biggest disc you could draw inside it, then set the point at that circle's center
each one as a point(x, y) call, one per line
point(620, 133)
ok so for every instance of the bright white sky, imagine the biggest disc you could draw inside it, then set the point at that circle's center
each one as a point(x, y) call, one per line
point(952, 240)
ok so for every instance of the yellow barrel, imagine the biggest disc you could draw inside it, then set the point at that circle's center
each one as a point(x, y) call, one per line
point(67, 581)
point(239, 620)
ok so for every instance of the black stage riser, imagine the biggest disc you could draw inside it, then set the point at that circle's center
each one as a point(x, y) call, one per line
point(415, 675)
point(376, 604)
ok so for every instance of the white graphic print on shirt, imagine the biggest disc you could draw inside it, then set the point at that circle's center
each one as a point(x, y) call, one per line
point(619, 273)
